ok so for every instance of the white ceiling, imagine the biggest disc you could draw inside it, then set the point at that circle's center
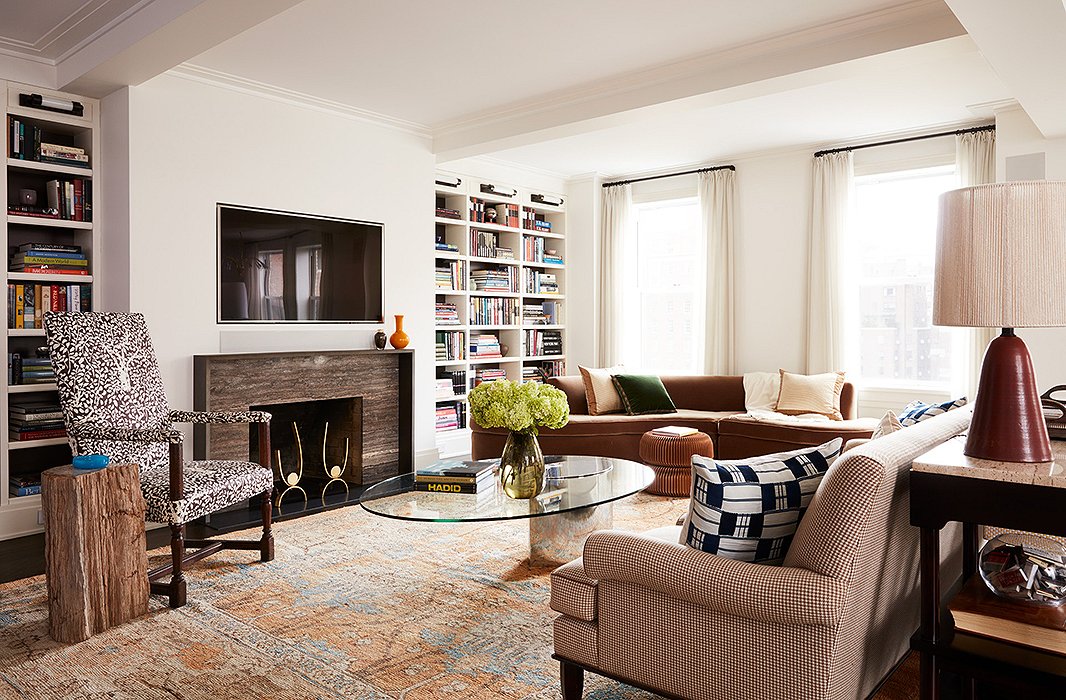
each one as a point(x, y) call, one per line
point(438, 63)
point(50, 28)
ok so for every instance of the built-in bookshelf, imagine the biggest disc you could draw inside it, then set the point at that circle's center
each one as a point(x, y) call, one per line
point(50, 237)
point(500, 292)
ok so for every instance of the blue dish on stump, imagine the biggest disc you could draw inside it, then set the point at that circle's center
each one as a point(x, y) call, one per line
point(91, 461)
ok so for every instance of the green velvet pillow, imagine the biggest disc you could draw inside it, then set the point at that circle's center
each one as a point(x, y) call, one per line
point(643, 393)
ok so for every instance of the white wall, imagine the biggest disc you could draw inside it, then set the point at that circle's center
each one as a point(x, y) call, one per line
point(1016, 135)
point(582, 287)
point(192, 145)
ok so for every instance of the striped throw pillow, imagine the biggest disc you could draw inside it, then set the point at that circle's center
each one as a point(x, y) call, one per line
point(749, 509)
point(917, 411)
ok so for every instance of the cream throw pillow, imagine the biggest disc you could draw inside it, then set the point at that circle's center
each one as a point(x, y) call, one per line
point(889, 424)
point(761, 390)
point(600, 391)
point(814, 393)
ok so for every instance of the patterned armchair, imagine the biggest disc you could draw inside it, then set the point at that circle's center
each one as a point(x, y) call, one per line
point(114, 404)
point(827, 625)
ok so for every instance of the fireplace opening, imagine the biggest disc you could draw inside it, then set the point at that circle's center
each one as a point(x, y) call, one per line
point(316, 446)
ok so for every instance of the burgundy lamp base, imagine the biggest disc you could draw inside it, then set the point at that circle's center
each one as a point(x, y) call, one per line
point(1007, 424)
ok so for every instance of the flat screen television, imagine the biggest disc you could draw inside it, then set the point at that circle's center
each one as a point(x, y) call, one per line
point(281, 267)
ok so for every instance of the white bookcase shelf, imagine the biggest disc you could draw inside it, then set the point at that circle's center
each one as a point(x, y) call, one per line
point(517, 362)
point(19, 514)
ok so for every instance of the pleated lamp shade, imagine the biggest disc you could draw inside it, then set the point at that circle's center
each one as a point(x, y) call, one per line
point(1001, 263)
point(1001, 256)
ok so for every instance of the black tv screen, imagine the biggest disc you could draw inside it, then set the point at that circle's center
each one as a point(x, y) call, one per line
point(280, 267)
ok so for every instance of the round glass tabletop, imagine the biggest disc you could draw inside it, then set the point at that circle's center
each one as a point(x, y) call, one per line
point(571, 483)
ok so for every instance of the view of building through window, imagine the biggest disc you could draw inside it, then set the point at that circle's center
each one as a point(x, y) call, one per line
point(662, 333)
point(892, 246)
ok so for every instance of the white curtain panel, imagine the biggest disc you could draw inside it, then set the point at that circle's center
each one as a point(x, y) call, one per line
point(975, 162)
point(616, 223)
point(717, 190)
point(830, 207)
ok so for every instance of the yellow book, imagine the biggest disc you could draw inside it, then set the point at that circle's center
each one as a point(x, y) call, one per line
point(20, 306)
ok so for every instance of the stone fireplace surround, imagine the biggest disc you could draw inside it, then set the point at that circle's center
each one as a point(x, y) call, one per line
point(382, 380)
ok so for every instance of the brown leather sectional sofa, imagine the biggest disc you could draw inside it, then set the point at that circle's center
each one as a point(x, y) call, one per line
point(714, 405)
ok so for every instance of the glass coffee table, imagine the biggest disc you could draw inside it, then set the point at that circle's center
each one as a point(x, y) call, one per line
point(577, 500)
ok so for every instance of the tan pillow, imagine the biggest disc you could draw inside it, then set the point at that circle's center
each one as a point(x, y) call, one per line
point(814, 393)
point(889, 424)
point(600, 391)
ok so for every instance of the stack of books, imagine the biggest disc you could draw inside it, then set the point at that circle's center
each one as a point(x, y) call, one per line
point(458, 477)
point(538, 282)
point(49, 258)
point(449, 345)
point(29, 370)
point(489, 374)
point(503, 253)
point(543, 314)
point(451, 275)
point(446, 314)
point(674, 431)
point(36, 421)
point(443, 388)
point(24, 485)
point(552, 257)
point(446, 247)
point(979, 611)
point(446, 213)
point(498, 280)
point(451, 417)
point(543, 343)
point(485, 345)
point(27, 303)
point(532, 374)
point(25, 142)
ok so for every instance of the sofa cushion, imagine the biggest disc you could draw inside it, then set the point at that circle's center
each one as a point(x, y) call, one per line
point(600, 392)
point(815, 393)
point(917, 411)
point(643, 394)
point(621, 424)
point(749, 509)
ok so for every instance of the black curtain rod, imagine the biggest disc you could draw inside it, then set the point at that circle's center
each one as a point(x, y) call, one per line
point(989, 127)
point(660, 177)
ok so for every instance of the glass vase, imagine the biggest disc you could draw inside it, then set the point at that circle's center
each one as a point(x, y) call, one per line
point(522, 466)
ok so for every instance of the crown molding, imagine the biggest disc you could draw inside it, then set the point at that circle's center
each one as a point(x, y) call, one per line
point(927, 13)
point(36, 50)
point(227, 81)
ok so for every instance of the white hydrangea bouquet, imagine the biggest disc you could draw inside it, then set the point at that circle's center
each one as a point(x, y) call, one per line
point(518, 407)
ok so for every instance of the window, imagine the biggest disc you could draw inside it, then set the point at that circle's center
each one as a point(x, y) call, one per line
point(664, 268)
point(890, 261)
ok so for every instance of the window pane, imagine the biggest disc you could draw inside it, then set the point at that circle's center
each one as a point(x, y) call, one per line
point(663, 290)
point(893, 246)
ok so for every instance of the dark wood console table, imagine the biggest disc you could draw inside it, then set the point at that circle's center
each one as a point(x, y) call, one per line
point(947, 486)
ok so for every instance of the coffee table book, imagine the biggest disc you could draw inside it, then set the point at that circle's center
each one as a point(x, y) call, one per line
point(977, 610)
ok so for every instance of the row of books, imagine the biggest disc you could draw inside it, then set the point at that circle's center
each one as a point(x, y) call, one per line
point(28, 302)
point(533, 221)
point(501, 279)
point(482, 212)
point(449, 345)
point(451, 274)
point(35, 421)
point(456, 379)
point(29, 370)
point(490, 311)
point(486, 244)
point(26, 141)
point(69, 200)
point(543, 343)
point(537, 282)
point(489, 374)
point(553, 368)
point(451, 416)
point(534, 249)
point(446, 314)
point(458, 477)
point(24, 485)
point(547, 313)
point(485, 345)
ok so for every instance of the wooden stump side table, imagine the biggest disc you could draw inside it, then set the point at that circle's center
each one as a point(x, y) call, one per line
point(96, 563)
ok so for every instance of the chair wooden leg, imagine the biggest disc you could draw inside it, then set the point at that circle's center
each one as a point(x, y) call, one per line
point(267, 542)
point(177, 556)
point(573, 680)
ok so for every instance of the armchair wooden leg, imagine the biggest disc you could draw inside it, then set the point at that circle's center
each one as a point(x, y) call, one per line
point(177, 555)
point(267, 543)
point(573, 680)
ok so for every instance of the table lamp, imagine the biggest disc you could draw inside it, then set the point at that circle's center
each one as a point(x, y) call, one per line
point(1001, 263)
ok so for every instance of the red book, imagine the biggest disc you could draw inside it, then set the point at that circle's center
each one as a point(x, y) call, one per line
point(79, 197)
point(53, 298)
point(45, 270)
point(38, 434)
point(62, 299)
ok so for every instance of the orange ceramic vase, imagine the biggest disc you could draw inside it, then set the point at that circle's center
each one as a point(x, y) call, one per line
point(399, 339)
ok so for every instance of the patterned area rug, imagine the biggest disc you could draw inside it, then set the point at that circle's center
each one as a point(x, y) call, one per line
point(354, 606)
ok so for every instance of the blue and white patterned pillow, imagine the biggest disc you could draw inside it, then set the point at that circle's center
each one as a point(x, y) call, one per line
point(749, 509)
point(917, 411)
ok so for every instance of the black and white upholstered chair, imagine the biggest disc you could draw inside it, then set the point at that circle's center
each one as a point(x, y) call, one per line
point(114, 404)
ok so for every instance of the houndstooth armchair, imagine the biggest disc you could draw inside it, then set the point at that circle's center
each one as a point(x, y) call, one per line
point(114, 404)
point(829, 624)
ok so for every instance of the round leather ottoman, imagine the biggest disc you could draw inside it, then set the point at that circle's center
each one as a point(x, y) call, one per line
point(670, 458)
